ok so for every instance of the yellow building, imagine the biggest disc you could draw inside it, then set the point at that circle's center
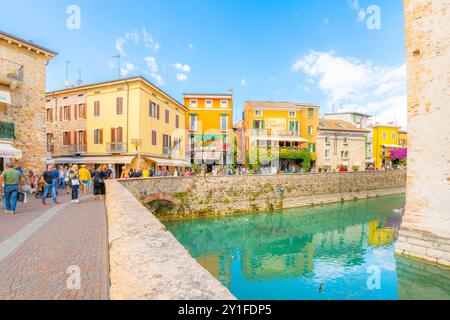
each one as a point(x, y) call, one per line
point(127, 122)
point(403, 138)
point(385, 139)
point(209, 122)
point(281, 125)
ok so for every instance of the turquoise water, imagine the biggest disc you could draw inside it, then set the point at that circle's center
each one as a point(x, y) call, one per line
point(339, 251)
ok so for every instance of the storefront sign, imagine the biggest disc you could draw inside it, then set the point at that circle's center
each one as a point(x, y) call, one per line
point(275, 124)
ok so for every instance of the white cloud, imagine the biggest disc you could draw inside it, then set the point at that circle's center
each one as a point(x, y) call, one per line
point(120, 46)
point(153, 70)
point(351, 84)
point(326, 21)
point(149, 42)
point(182, 77)
point(135, 38)
point(182, 67)
point(356, 6)
point(127, 69)
point(191, 46)
point(243, 82)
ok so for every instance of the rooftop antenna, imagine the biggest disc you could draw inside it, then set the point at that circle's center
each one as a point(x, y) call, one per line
point(79, 81)
point(118, 65)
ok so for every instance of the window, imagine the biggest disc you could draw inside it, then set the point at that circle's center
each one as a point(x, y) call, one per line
point(117, 134)
point(64, 113)
point(312, 147)
point(79, 111)
point(193, 103)
point(96, 108)
point(327, 154)
point(98, 136)
point(193, 122)
point(66, 138)
point(292, 114)
point(384, 136)
point(154, 138)
point(166, 144)
point(176, 144)
point(345, 140)
point(347, 155)
point(119, 105)
point(342, 154)
point(177, 121)
point(49, 116)
point(327, 140)
point(394, 136)
point(154, 110)
point(294, 127)
point(354, 117)
point(208, 103)
point(167, 116)
point(224, 103)
point(258, 113)
point(258, 124)
point(224, 122)
point(311, 130)
point(311, 112)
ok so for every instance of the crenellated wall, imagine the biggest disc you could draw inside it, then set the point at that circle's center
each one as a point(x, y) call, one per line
point(228, 195)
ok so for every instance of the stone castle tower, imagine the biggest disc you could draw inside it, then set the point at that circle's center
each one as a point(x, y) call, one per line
point(425, 232)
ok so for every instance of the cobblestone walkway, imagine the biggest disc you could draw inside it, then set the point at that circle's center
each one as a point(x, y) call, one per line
point(39, 246)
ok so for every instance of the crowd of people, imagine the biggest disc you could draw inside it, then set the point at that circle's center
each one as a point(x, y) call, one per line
point(72, 180)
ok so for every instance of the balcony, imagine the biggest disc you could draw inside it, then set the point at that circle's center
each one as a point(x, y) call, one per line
point(167, 151)
point(7, 131)
point(116, 147)
point(11, 73)
point(50, 148)
point(77, 148)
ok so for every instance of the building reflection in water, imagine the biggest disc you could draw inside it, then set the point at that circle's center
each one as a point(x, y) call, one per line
point(319, 244)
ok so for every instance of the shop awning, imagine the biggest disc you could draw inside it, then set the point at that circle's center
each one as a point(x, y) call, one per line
point(170, 162)
point(282, 139)
point(394, 146)
point(93, 160)
point(8, 151)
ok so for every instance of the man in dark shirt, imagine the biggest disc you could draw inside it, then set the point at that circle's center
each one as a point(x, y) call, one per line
point(47, 180)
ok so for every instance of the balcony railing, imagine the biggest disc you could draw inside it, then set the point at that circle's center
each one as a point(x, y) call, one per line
point(77, 148)
point(167, 151)
point(116, 147)
point(50, 148)
point(7, 130)
point(11, 71)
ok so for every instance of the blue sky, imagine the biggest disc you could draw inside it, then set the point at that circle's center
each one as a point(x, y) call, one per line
point(318, 51)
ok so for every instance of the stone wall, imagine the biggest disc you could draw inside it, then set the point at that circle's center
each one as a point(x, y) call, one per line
point(146, 261)
point(57, 127)
point(27, 111)
point(425, 232)
point(227, 195)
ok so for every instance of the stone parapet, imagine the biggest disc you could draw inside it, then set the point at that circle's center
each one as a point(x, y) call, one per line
point(146, 261)
point(230, 195)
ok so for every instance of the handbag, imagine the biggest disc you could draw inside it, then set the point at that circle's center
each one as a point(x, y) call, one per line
point(75, 182)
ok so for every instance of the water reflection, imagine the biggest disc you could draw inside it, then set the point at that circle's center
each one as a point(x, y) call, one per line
point(315, 253)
